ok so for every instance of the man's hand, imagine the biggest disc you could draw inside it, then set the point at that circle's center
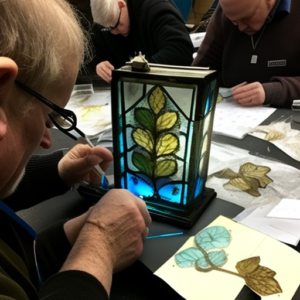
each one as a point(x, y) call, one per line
point(251, 94)
point(78, 164)
point(104, 70)
point(111, 236)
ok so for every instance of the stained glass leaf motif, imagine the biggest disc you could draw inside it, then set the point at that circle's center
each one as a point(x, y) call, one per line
point(260, 279)
point(188, 257)
point(142, 163)
point(166, 167)
point(218, 258)
point(166, 144)
point(157, 100)
point(166, 121)
point(143, 138)
point(213, 237)
point(145, 118)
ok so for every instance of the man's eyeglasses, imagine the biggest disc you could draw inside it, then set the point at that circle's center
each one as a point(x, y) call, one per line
point(113, 27)
point(65, 120)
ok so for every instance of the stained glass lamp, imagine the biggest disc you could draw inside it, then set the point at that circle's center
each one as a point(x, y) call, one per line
point(162, 124)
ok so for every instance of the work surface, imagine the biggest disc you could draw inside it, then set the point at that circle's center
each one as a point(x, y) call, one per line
point(158, 250)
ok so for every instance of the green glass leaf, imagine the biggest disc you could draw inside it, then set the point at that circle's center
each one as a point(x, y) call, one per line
point(213, 237)
point(143, 138)
point(157, 100)
point(166, 144)
point(166, 167)
point(188, 257)
point(217, 258)
point(144, 117)
point(142, 163)
point(166, 121)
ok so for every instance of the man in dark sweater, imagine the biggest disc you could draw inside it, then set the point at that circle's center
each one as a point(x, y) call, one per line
point(125, 28)
point(254, 41)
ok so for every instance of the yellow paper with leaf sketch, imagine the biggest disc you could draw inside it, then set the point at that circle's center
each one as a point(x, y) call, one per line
point(222, 258)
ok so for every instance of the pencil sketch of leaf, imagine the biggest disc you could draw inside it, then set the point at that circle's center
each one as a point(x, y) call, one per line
point(188, 257)
point(166, 144)
point(249, 178)
point(166, 121)
point(157, 100)
point(145, 118)
point(142, 163)
point(260, 279)
point(143, 138)
point(167, 167)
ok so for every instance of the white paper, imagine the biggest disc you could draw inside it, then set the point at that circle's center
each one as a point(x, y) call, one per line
point(286, 209)
point(259, 222)
point(287, 225)
point(234, 120)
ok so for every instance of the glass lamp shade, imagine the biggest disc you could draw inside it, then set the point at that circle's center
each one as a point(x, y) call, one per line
point(162, 124)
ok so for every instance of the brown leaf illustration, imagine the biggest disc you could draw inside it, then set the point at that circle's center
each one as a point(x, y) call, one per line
point(260, 279)
point(249, 178)
point(250, 170)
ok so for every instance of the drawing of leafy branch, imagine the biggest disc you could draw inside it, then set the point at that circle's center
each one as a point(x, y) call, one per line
point(260, 279)
point(156, 137)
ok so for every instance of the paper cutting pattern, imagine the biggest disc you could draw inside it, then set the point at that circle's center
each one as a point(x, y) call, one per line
point(209, 255)
point(249, 178)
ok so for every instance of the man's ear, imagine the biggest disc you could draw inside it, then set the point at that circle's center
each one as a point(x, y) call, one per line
point(8, 73)
point(122, 4)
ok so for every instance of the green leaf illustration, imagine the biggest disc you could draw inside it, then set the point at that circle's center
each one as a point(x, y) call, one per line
point(188, 257)
point(142, 163)
point(157, 100)
point(166, 144)
point(218, 258)
point(213, 237)
point(167, 167)
point(143, 138)
point(144, 117)
point(166, 121)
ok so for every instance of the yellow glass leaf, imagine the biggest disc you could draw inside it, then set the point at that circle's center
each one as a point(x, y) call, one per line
point(157, 100)
point(257, 172)
point(167, 167)
point(166, 144)
point(166, 121)
point(143, 138)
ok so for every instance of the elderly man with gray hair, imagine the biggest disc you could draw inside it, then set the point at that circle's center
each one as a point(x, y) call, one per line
point(124, 29)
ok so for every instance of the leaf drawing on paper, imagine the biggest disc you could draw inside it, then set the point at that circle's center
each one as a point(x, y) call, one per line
point(209, 255)
point(157, 136)
point(249, 178)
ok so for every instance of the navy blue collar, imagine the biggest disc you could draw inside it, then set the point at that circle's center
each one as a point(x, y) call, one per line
point(281, 6)
point(8, 211)
point(284, 5)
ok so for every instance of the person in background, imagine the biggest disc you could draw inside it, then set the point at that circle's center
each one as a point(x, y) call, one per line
point(41, 50)
point(253, 42)
point(125, 29)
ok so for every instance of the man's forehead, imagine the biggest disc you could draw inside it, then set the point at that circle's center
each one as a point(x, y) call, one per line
point(237, 9)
